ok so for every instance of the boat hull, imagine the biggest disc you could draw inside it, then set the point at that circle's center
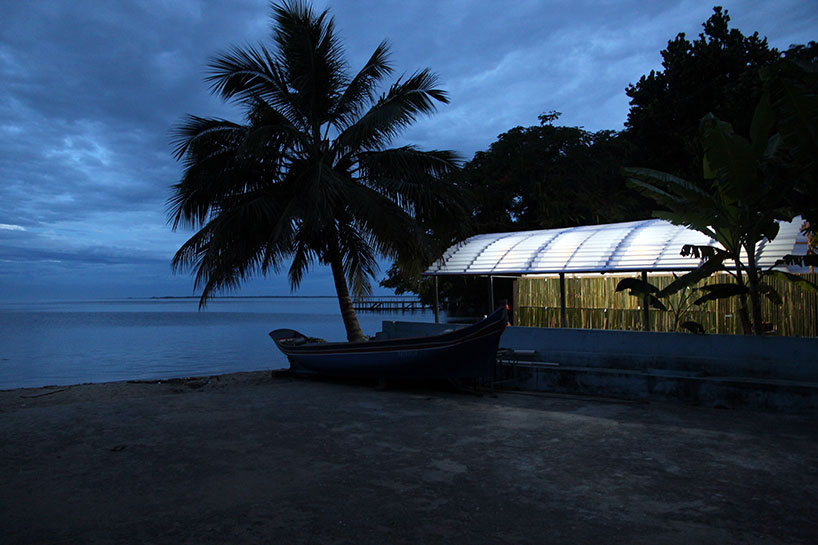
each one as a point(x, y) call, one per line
point(465, 353)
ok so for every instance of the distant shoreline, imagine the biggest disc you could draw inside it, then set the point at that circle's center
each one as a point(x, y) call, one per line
point(132, 298)
point(270, 297)
point(238, 297)
point(157, 298)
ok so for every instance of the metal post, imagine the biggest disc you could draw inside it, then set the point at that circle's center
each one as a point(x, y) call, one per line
point(491, 294)
point(515, 302)
point(563, 313)
point(645, 305)
point(437, 304)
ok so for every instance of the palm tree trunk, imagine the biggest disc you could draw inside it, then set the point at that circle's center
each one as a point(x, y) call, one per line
point(353, 328)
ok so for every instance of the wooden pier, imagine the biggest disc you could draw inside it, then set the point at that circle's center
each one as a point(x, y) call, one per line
point(388, 304)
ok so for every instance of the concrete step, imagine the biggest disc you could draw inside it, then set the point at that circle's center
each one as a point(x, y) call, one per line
point(662, 384)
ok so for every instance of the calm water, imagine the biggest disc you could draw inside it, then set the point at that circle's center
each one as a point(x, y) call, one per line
point(99, 341)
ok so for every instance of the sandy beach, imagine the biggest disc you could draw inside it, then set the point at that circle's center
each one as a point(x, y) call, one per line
point(251, 458)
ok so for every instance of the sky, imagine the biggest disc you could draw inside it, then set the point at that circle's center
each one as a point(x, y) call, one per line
point(90, 90)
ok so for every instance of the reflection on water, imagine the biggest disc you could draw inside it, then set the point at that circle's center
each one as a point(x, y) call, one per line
point(100, 341)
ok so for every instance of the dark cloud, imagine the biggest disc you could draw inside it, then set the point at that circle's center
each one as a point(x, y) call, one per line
point(20, 252)
point(89, 91)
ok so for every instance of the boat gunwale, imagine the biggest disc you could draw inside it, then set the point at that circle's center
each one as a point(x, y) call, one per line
point(325, 349)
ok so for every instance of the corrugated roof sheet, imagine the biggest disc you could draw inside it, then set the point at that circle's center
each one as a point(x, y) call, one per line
point(648, 245)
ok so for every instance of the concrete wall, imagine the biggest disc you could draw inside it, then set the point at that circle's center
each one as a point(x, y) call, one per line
point(720, 370)
point(789, 358)
point(786, 358)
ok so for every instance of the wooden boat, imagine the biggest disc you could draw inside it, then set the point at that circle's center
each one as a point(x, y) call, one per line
point(469, 352)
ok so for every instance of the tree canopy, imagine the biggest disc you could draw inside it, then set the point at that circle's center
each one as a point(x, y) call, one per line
point(791, 97)
point(715, 73)
point(547, 176)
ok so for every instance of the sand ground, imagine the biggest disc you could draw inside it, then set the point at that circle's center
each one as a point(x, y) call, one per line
point(250, 458)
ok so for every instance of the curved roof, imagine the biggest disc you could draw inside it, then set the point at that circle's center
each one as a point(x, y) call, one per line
point(647, 245)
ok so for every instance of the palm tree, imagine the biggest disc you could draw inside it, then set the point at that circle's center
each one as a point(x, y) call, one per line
point(309, 177)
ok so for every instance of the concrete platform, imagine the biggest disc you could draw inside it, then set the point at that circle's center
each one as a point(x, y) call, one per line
point(725, 392)
point(776, 373)
point(253, 459)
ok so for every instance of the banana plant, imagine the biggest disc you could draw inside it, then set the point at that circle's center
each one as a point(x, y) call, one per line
point(680, 303)
point(736, 203)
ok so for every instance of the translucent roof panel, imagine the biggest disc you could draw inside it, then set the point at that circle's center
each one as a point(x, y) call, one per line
point(648, 245)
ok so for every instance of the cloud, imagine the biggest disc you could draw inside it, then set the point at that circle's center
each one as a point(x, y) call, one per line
point(90, 90)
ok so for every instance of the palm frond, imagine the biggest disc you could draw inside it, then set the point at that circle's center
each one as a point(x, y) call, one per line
point(393, 112)
point(213, 269)
point(356, 246)
point(419, 182)
point(393, 231)
point(408, 162)
point(239, 242)
point(302, 259)
point(311, 56)
point(360, 91)
point(193, 135)
point(249, 74)
point(319, 192)
point(210, 174)
point(216, 176)
point(269, 127)
point(280, 241)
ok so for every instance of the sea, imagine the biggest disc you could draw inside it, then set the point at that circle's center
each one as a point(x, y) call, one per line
point(74, 342)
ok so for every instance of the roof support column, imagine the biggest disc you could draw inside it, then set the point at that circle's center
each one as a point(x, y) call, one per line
point(437, 303)
point(491, 295)
point(645, 305)
point(563, 314)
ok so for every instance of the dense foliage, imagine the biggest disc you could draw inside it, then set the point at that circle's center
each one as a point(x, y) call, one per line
point(549, 176)
point(791, 95)
point(715, 73)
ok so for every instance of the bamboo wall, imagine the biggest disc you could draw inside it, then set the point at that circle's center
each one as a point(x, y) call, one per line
point(592, 303)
